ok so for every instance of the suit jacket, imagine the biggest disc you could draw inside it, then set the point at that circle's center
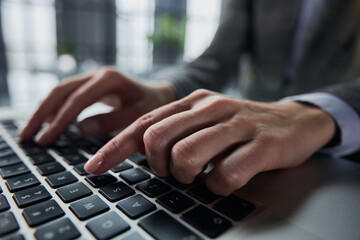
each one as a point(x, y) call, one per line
point(260, 33)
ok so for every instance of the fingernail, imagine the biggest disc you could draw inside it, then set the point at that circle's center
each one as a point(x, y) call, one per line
point(94, 163)
point(90, 127)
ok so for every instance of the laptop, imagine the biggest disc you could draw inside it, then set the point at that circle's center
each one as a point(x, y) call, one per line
point(45, 194)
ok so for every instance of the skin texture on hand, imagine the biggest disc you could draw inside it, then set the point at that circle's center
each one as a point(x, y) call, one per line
point(128, 98)
point(241, 138)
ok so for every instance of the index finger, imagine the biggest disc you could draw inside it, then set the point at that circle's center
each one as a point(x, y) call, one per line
point(130, 140)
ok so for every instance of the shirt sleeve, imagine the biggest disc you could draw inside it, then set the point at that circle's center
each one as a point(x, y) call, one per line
point(344, 115)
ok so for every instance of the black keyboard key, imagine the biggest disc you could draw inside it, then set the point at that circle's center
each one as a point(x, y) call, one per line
point(163, 227)
point(3, 144)
point(136, 206)
point(107, 226)
point(100, 180)
point(175, 201)
point(10, 160)
point(66, 150)
point(121, 167)
point(206, 221)
point(50, 168)
point(234, 207)
point(173, 182)
point(8, 223)
point(153, 187)
point(137, 158)
point(74, 158)
point(88, 207)
point(14, 170)
point(134, 236)
point(62, 229)
point(21, 182)
point(31, 147)
point(42, 212)
point(4, 204)
point(79, 168)
point(6, 152)
point(16, 237)
point(116, 191)
point(133, 176)
point(31, 196)
point(60, 179)
point(203, 194)
point(73, 192)
point(41, 157)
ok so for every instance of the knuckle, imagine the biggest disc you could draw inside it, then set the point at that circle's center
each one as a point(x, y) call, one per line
point(183, 157)
point(143, 122)
point(233, 180)
point(200, 93)
point(154, 138)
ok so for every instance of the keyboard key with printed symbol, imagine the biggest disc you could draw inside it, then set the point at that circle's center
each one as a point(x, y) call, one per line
point(100, 180)
point(88, 207)
point(79, 168)
point(40, 158)
point(203, 194)
point(163, 227)
point(74, 158)
point(175, 201)
point(60, 179)
point(42, 212)
point(234, 207)
point(206, 221)
point(62, 229)
point(14, 170)
point(4, 204)
point(153, 187)
point(50, 168)
point(121, 167)
point(8, 223)
point(136, 206)
point(10, 160)
point(31, 196)
point(21, 182)
point(116, 191)
point(133, 176)
point(107, 226)
point(73, 192)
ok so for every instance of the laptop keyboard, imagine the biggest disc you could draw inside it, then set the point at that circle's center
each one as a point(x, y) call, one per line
point(45, 194)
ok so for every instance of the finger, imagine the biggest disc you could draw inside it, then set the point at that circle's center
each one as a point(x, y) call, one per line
point(105, 123)
point(190, 156)
point(160, 138)
point(236, 169)
point(50, 106)
point(130, 140)
point(90, 92)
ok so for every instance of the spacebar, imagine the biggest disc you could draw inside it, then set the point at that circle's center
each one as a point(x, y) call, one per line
point(163, 227)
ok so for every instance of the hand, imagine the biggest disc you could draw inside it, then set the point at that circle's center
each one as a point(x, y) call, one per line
point(241, 138)
point(129, 99)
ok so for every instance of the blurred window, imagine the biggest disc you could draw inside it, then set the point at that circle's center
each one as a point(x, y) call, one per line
point(29, 34)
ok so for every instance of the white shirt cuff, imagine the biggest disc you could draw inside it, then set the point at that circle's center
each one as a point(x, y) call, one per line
point(345, 116)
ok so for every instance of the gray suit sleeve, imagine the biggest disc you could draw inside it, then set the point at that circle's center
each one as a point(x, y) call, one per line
point(215, 67)
point(349, 92)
